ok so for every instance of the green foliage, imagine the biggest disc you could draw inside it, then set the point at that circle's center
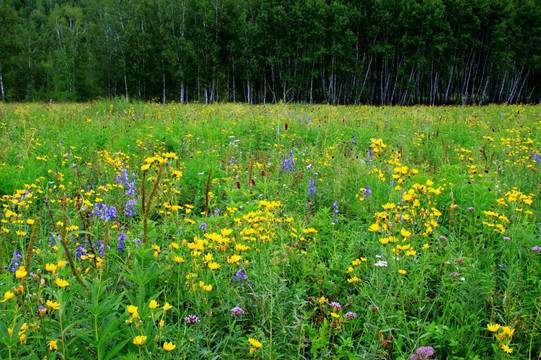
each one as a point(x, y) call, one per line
point(351, 232)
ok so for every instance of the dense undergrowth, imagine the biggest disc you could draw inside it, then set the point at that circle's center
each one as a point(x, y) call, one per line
point(228, 231)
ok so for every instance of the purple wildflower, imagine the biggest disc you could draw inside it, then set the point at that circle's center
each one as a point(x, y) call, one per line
point(120, 240)
point(454, 275)
point(425, 351)
point(312, 188)
point(288, 163)
point(203, 226)
point(104, 212)
point(16, 256)
point(191, 319)
point(335, 305)
point(137, 242)
point(239, 276)
point(350, 315)
point(130, 207)
point(237, 311)
point(336, 212)
point(536, 249)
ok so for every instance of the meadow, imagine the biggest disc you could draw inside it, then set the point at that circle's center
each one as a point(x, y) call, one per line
point(139, 231)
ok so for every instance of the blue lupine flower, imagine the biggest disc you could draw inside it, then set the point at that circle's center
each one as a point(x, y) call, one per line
point(240, 276)
point(130, 208)
point(312, 189)
point(336, 212)
point(15, 264)
point(120, 240)
point(288, 163)
point(104, 211)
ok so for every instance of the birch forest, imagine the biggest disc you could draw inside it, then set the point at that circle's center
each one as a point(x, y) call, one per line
point(378, 52)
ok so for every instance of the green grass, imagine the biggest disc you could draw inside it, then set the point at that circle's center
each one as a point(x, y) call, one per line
point(464, 181)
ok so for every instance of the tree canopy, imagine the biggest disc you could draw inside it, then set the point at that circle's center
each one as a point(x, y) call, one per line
point(256, 51)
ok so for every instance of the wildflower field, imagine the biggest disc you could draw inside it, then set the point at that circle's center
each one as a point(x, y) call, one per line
point(139, 231)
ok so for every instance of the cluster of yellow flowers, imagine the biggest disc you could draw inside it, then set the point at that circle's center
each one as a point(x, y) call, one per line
point(504, 337)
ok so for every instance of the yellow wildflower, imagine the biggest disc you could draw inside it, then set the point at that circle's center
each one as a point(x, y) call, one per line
point(50, 267)
point(53, 305)
point(62, 283)
point(21, 272)
point(153, 304)
point(52, 345)
point(139, 340)
point(7, 295)
point(255, 343)
point(169, 346)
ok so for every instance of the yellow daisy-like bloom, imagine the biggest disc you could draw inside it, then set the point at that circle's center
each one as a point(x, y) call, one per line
point(139, 340)
point(322, 300)
point(52, 345)
point(234, 259)
point(384, 241)
point(508, 331)
point(335, 315)
point(402, 272)
point(405, 233)
point(168, 346)
point(178, 259)
point(30, 222)
point(50, 267)
point(374, 227)
point(21, 272)
point(255, 343)
point(167, 306)
point(493, 327)
point(7, 295)
point(61, 283)
point(214, 266)
point(145, 167)
point(61, 263)
point(207, 288)
point(53, 305)
point(507, 349)
point(153, 304)
point(132, 309)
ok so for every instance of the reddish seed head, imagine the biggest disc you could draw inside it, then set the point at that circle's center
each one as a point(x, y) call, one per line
point(238, 185)
point(286, 126)
point(253, 182)
point(262, 173)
